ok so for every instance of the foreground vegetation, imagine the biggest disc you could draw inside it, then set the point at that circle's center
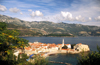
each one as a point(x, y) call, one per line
point(9, 41)
point(93, 58)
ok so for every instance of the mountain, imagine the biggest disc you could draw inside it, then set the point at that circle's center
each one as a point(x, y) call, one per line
point(23, 31)
point(16, 21)
point(53, 29)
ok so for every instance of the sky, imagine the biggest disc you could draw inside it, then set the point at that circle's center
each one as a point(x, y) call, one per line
point(86, 12)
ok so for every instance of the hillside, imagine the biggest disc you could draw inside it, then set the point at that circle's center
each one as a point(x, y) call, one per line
point(23, 31)
point(47, 28)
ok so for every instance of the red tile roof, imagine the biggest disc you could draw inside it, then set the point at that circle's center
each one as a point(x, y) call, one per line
point(33, 49)
point(67, 44)
point(59, 44)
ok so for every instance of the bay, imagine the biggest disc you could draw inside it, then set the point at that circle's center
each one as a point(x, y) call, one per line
point(68, 58)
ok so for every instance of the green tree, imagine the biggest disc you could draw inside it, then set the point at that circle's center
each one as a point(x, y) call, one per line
point(9, 41)
point(90, 59)
point(64, 47)
point(2, 26)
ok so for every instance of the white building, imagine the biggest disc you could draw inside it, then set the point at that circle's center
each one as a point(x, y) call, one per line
point(68, 45)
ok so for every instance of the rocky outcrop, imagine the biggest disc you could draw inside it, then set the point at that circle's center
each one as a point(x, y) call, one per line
point(81, 47)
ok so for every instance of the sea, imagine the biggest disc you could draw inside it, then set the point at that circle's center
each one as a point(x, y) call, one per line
point(63, 57)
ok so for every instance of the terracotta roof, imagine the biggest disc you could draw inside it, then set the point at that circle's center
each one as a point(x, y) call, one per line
point(27, 48)
point(37, 47)
point(59, 44)
point(33, 49)
point(79, 43)
point(40, 43)
point(42, 54)
point(67, 44)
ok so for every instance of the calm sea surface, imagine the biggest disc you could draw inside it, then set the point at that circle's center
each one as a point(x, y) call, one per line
point(68, 58)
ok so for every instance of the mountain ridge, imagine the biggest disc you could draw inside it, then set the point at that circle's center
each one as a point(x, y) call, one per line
point(48, 27)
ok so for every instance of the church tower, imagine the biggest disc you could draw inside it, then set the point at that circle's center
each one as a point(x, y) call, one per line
point(62, 42)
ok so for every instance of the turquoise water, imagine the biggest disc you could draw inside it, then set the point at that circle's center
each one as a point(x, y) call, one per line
point(68, 58)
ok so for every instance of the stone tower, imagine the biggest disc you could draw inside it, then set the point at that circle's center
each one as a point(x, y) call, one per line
point(62, 42)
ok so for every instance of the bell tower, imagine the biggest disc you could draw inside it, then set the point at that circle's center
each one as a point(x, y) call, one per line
point(62, 42)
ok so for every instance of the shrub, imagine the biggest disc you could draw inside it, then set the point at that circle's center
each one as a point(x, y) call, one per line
point(64, 47)
point(39, 60)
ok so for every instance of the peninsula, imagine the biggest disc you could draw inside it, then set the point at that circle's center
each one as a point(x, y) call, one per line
point(47, 49)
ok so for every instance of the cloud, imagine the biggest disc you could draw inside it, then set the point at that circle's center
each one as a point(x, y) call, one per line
point(33, 14)
point(66, 15)
point(36, 13)
point(21, 13)
point(14, 10)
point(97, 18)
point(79, 18)
point(29, 10)
point(90, 18)
point(2, 8)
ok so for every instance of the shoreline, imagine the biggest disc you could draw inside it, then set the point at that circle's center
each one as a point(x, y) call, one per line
point(58, 36)
point(61, 52)
point(47, 36)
